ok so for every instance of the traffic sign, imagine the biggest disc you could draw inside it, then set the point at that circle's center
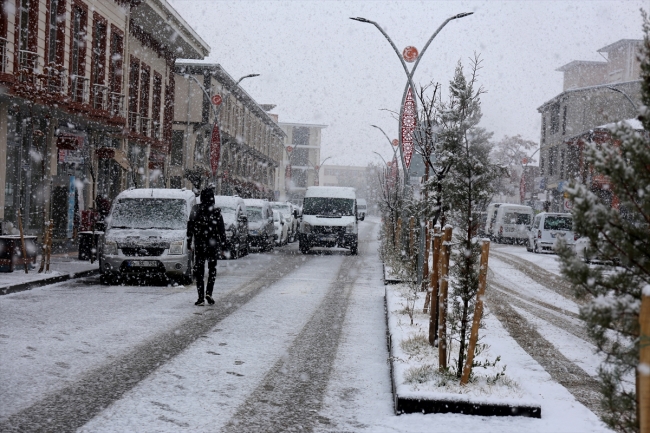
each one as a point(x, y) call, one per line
point(289, 149)
point(410, 54)
point(216, 99)
point(395, 142)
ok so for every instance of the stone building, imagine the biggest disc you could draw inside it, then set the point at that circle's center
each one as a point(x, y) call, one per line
point(86, 107)
point(252, 141)
point(595, 94)
point(301, 162)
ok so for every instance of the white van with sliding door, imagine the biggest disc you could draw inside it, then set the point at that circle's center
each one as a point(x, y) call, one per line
point(508, 223)
point(547, 229)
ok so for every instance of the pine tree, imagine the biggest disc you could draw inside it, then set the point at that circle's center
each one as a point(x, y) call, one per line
point(467, 191)
point(621, 238)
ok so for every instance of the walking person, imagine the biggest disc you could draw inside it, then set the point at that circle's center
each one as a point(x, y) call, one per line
point(206, 227)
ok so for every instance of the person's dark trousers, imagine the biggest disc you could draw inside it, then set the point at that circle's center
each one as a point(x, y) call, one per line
point(199, 271)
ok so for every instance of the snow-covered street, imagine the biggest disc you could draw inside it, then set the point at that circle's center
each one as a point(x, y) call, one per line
point(294, 343)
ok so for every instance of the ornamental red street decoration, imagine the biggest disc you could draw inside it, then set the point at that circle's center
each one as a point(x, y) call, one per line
point(408, 125)
point(216, 99)
point(395, 142)
point(410, 53)
point(215, 148)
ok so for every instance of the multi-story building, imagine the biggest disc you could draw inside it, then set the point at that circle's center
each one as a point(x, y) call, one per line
point(252, 141)
point(87, 106)
point(301, 161)
point(595, 94)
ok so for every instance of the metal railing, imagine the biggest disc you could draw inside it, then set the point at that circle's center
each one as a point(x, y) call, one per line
point(116, 104)
point(79, 88)
point(100, 97)
point(54, 79)
point(133, 121)
point(145, 126)
point(28, 60)
point(3, 55)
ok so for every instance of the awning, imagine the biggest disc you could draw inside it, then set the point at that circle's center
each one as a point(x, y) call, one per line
point(69, 142)
point(116, 154)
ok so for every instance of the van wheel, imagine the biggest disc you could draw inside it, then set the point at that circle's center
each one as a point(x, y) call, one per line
point(304, 248)
point(354, 250)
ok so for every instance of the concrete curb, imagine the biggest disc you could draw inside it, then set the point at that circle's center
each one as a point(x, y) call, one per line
point(411, 405)
point(46, 281)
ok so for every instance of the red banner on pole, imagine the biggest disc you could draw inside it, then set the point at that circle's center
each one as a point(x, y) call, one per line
point(408, 125)
point(215, 148)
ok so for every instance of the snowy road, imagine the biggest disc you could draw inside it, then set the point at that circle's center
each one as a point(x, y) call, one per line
point(295, 343)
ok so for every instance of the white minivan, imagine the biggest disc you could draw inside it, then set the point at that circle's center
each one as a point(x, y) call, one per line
point(146, 235)
point(547, 229)
point(507, 222)
point(329, 219)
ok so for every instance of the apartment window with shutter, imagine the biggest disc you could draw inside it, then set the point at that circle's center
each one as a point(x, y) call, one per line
point(178, 137)
point(156, 97)
point(564, 120)
point(55, 32)
point(78, 51)
point(555, 118)
point(145, 79)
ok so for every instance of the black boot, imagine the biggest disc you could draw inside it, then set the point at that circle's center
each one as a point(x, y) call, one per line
point(209, 299)
point(200, 301)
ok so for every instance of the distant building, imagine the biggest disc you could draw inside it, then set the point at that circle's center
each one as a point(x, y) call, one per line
point(343, 175)
point(301, 161)
point(252, 141)
point(595, 94)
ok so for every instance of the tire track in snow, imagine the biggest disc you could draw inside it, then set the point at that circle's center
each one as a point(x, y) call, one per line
point(291, 395)
point(71, 407)
point(579, 383)
point(538, 274)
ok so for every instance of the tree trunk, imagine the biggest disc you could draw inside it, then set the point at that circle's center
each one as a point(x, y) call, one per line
point(463, 332)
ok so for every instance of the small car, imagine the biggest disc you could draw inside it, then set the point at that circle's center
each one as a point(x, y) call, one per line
point(281, 229)
point(235, 219)
point(290, 216)
point(261, 231)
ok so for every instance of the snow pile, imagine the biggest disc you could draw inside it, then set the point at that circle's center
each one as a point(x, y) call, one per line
point(415, 362)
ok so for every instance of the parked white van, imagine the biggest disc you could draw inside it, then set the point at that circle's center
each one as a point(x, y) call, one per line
point(508, 222)
point(146, 234)
point(329, 218)
point(362, 208)
point(547, 228)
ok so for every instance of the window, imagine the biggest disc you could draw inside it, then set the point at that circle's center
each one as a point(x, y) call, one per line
point(145, 78)
point(78, 50)
point(562, 164)
point(551, 160)
point(541, 165)
point(555, 118)
point(55, 32)
point(99, 50)
point(134, 81)
point(177, 148)
point(564, 120)
point(156, 97)
point(115, 62)
point(23, 29)
point(543, 129)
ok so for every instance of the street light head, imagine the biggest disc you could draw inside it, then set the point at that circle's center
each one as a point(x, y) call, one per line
point(363, 20)
point(464, 14)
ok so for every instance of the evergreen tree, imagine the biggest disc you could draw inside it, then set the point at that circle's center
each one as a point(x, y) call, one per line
point(621, 238)
point(467, 191)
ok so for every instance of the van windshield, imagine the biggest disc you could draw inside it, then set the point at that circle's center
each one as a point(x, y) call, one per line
point(149, 213)
point(328, 206)
point(552, 222)
point(517, 218)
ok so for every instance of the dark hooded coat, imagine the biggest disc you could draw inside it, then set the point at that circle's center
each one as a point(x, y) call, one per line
point(206, 225)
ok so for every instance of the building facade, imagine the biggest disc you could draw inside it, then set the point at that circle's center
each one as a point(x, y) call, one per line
point(301, 162)
point(252, 141)
point(87, 106)
point(595, 94)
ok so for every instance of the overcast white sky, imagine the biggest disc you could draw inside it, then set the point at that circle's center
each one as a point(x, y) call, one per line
point(318, 66)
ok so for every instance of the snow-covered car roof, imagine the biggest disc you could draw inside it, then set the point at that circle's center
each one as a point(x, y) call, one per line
point(163, 193)
point(255, 202)
point(229, 201)
point(331, 192)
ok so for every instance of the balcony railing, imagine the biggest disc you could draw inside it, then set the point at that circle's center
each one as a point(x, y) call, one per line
point(156, 132)
point(116, 104)
point(54, 79)
point(145, 126)
point(134, 121)
point(100, 97)
point(28, 60)
point(3, 55)
point(79, 88)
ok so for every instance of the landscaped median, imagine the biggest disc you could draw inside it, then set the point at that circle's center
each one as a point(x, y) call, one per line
point(495, 388)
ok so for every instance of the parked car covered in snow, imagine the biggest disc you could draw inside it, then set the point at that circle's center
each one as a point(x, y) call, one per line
point(261, 231)
point(146, 233)
point(547, 229)
point(233, 210)
point(290, 216)
point(281, 229)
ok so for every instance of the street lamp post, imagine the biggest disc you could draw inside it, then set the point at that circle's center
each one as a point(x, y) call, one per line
point(217, 110)
point(624, 94)
point(409, 74)
point(317, 168)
